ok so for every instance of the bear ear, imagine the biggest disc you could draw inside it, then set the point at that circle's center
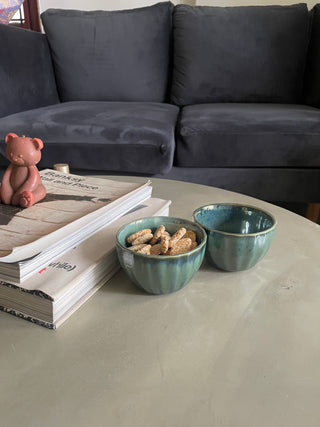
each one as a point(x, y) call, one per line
point(9, 136)
point(37, 143)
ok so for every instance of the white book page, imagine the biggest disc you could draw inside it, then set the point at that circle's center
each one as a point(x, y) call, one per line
point(72, 201)
point(58, 276)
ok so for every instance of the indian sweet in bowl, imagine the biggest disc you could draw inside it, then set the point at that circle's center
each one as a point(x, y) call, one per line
point(239, 236)
point(160, 273)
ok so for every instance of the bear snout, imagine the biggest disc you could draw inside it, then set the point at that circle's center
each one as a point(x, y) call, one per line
point(16, 159)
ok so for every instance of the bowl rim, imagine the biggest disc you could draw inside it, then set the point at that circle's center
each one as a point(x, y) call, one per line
point(197, 248)
point(226, 233)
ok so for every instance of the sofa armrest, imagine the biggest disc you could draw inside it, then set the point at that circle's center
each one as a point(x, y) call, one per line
point(312, 76)
point(26, 73)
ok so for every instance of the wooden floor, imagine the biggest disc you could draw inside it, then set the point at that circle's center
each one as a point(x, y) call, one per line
point(313, 212)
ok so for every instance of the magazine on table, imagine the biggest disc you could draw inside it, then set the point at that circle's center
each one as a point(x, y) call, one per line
point(74, 208)
point(56, 291)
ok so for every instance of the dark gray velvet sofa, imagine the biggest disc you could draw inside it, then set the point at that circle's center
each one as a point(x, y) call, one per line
point(228, 97)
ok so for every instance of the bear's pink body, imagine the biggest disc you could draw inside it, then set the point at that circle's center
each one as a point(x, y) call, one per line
point(21, 183)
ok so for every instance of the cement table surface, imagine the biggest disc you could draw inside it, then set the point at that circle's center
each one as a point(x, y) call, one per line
point(229, 350)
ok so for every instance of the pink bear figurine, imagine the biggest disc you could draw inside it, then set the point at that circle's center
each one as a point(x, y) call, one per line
point(21, 182)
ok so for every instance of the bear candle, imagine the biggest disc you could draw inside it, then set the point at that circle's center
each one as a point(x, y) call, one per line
point(21, 183)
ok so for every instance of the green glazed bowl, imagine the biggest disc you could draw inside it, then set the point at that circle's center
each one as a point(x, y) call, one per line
point(238, 236)
point(160, 274)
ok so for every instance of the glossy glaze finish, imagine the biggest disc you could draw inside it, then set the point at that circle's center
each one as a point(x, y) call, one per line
point(238, 236)
point(160, 274)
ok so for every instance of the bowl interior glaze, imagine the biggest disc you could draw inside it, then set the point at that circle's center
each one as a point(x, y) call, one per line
point(234, 219)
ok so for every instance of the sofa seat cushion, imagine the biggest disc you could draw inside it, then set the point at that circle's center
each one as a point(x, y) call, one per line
point(239, 54)
point(121, 55)
point(110, 136)
point(248, 135)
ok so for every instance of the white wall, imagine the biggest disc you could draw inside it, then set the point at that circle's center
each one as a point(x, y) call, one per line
point(310, 3)
point(102, 4)
point(129, 4)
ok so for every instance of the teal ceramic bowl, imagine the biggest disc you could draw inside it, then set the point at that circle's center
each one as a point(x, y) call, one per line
point(238, 236)
point(160, 274)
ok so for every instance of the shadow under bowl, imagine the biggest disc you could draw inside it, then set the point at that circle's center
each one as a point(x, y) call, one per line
point(239, 236)
point(160, 274)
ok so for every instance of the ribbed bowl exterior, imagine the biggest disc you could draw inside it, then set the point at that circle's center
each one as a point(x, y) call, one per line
point(160, 274)
point(234, 253)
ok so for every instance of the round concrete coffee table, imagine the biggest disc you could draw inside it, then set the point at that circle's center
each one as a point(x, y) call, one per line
point(230, 349)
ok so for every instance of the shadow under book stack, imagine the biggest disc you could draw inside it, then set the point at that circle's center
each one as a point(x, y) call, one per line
point(57, 253)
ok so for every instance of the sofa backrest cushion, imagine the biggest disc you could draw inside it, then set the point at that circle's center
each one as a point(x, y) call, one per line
point(111, 55)
point(26, 73)
point(239, 54)
point(312, 83)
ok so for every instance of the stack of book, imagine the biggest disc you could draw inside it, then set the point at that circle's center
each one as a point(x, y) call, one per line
point(57, 253)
